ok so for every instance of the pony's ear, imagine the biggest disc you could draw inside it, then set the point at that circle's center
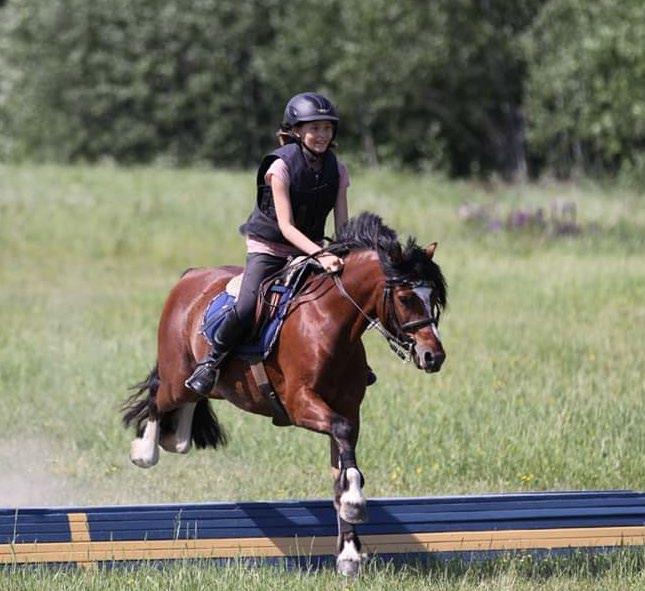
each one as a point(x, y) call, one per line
point(430, 249)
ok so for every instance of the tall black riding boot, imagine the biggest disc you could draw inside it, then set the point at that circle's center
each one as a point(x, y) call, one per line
point(206, 374)
point(229, 334)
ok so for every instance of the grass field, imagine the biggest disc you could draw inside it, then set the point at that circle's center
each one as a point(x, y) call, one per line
point(579, 573)
point(542, 388)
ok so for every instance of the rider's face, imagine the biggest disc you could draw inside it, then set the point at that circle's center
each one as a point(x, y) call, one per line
point(316, 135)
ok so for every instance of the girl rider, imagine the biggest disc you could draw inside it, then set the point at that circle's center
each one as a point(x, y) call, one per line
point(298, 185)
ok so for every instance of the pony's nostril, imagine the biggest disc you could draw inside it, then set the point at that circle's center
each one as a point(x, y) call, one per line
point(432, 360)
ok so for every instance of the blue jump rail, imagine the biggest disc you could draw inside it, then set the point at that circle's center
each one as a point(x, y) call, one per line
point(420, 526)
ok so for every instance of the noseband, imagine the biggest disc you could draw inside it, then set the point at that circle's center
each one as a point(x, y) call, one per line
point(400, 342)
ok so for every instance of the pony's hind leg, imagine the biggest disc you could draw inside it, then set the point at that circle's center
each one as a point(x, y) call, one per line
point(141, 410)
point(178, 439)
point(144, 451)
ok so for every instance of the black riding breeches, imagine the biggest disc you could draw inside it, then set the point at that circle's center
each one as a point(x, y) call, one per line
point(238, 323)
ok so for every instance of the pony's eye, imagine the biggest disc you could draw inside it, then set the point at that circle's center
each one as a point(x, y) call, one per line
point(407, 300)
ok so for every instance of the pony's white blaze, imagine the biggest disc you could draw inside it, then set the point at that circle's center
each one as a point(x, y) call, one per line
point(144, 451)
point(425, 295)
point(179, 442)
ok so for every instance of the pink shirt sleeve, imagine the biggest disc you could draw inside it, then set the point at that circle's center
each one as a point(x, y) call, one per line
point(280, 169)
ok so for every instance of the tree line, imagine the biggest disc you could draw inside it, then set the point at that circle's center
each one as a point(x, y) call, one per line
point(470, 87)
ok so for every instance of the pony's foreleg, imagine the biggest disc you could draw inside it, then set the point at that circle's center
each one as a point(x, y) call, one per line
point(349, 494)
point(144, 451)
point(348, 486)
point(314, 414)
point(179, 440)
point(311, 412)
point(348, 548)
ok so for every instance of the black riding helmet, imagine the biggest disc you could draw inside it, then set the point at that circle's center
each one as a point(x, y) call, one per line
point(309, 106)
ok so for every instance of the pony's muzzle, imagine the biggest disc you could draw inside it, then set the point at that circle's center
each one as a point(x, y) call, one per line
point(430, 361)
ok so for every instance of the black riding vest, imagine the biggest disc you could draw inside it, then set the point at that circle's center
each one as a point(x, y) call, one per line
point(313, 195)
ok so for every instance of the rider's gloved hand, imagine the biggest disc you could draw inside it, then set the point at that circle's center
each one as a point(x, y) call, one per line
point(330, 262)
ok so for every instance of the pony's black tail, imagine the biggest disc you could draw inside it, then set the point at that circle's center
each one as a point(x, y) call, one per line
point(138, 407)
point(206, 431)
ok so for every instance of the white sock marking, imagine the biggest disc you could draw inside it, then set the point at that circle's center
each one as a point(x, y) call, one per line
point(184, 428)
point(354, 494)
point(349, 552)
point(144, 451)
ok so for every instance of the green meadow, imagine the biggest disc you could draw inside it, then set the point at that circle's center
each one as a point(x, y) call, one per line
point(542, 389)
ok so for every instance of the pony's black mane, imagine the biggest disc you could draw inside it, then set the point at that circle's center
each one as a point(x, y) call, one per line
point(409, 263)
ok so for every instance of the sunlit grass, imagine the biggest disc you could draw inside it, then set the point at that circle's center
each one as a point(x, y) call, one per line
point(622, 571)
point(542, 387)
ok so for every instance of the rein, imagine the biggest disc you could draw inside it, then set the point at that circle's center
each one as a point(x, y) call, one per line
point(400, 342)
point(401, 346)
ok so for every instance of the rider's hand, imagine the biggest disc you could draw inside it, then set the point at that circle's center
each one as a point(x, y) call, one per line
point(330, 262)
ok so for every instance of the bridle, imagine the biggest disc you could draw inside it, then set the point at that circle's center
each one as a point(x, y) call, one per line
point(399, 341)
point(390, 309)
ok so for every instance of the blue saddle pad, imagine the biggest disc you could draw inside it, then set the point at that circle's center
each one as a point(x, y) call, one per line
point(261, 346)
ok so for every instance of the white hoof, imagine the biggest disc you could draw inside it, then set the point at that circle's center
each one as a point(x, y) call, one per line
point(352, 501)
point(348, 562)
point(143, 454)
